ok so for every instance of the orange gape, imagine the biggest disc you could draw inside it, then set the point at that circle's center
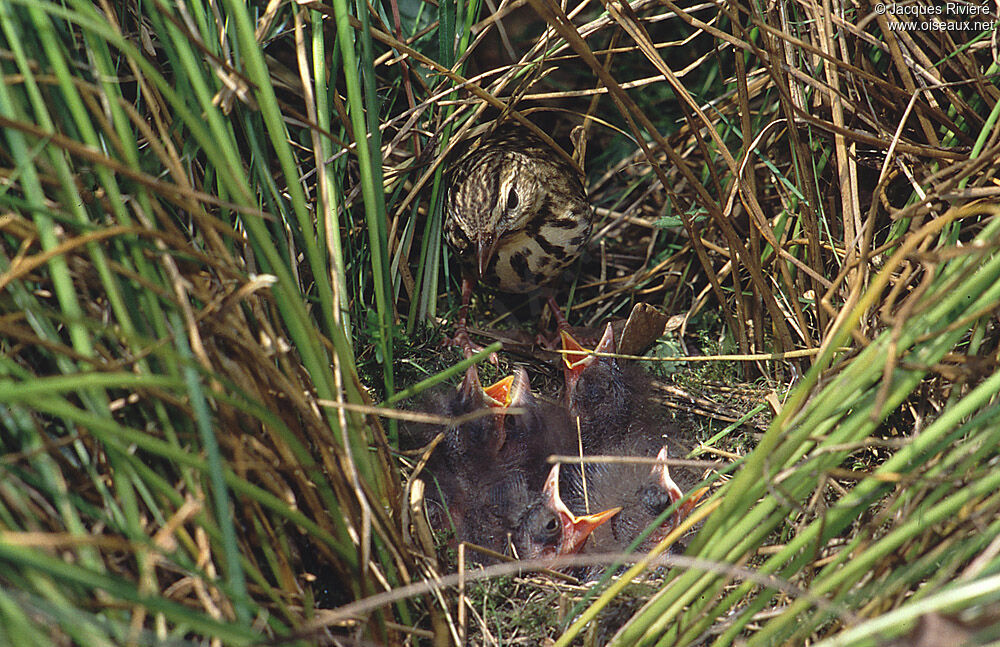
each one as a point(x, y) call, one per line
point(494, 485)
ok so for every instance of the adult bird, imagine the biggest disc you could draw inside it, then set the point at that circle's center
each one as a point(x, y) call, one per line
point(516, 215)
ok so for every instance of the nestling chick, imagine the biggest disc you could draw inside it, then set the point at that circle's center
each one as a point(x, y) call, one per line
point(617, 417)
point(530, 437)
point(605, 398)
point(463, 464)
point(547, 527)
point(485, 478)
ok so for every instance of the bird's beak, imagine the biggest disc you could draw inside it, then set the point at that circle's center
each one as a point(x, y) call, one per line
point(574, 529)
point(607, 343)
point(580, 528)
point(512, 391)
point(662, 475)
point(576, 358)
point(499, 393)
point(494, 396)
point(520, 390)
point(575, 354)
point(485, 251)
point(692, 501)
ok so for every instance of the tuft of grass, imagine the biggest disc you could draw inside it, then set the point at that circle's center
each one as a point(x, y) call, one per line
point(177, 457)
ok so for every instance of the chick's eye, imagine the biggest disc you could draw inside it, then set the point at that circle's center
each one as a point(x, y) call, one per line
point(512, 199)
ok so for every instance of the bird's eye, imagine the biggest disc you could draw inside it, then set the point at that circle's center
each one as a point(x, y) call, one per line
point(512, 199)
point(545, 527)
point(458, 238)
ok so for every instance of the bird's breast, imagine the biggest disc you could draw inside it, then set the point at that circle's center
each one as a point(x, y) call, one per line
point(535, 254)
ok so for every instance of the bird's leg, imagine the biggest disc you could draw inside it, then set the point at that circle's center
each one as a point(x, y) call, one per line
point(562, 326)
point(471, 389)
point(461, 338)
point(561, 322)
point(462, 330)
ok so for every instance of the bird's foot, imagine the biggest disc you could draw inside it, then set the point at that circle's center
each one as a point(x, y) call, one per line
point(469, 347)
point(546, 342)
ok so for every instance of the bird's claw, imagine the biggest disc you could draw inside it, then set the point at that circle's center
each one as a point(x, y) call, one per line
point(545, 342)
point(469, 347)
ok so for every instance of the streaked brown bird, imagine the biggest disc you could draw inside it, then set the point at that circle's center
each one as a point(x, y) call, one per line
point(516, 214)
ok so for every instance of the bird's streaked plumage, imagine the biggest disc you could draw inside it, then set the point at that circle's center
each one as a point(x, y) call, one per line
point(516, 213)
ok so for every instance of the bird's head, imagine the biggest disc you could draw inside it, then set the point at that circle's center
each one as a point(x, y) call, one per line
point(492, 192)
point(660, 492)
point(549, 529)
point(591, 380)
point(512, 392)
